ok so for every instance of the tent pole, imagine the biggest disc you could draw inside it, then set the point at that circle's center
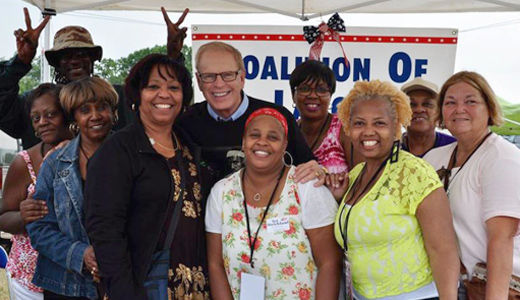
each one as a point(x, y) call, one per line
point(45, 68)
point(44, 65)
point(303, 16)
point(512, 121)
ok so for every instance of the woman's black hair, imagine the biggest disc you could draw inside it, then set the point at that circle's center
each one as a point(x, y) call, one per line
point(140, 74)
point(44, 89)
point(312, 71)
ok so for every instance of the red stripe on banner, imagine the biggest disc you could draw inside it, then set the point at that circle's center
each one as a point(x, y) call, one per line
point(343, 38)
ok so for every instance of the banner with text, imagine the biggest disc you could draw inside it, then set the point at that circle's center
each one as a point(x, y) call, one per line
point(270, 54)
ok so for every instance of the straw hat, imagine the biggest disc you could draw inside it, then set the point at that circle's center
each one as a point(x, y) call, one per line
point(75, 37)
point(420, 84)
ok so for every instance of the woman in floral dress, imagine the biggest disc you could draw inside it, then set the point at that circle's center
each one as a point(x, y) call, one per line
point(263, 227)
point(48, 121)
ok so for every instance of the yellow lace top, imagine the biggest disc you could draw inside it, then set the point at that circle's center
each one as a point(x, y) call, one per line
point(385, 244)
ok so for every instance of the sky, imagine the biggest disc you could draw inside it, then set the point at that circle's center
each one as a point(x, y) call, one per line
point(489, 43)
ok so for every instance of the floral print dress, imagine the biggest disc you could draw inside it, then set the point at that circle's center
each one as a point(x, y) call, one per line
point(22, 258)
point(188, 275)
point(284, 258)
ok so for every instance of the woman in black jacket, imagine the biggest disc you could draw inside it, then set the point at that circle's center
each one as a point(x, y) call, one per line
point(144, 180)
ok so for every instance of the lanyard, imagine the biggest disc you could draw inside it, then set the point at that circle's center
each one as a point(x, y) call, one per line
point(252, 244)
point(445, 174)
point(354, 189)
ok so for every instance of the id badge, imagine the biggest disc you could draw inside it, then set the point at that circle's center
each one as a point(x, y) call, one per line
point(349, 293)
point(277, 224)
point(252, 287)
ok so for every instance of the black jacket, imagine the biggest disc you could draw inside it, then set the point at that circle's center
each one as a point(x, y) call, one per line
point(218, 139)
point(14, 115)
point(129, 186)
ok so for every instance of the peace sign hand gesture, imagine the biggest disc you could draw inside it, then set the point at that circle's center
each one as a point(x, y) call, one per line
point(176, 34)
point(27, 40)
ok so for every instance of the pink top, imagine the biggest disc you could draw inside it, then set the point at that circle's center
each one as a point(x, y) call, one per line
point(330, 153)
point(22, 258)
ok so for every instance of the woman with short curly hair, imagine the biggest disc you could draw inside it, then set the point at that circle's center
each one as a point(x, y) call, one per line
point(393, 222)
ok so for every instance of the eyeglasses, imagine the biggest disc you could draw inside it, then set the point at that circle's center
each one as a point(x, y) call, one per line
point(211, 77)
point(47, 116)
point(306, 90)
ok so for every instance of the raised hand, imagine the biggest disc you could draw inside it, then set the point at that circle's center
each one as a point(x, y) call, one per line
point(176, 34)
point(27, 40)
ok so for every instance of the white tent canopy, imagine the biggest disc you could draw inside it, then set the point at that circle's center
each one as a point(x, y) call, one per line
point(302, 9)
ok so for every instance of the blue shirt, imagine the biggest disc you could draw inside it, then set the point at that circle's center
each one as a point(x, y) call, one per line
point(237, 114)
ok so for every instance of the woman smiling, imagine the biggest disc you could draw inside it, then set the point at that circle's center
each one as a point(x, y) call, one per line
point(393, 220)
point(264, 227)
point(480, 175)
point(67, 266)
point(312, 85)
point(146, 190)
point(48, 121)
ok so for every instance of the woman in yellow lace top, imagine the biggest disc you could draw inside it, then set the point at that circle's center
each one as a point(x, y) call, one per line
point(394, 222)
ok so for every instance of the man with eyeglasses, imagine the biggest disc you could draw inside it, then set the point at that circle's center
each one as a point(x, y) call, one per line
point(72, 56)
point(217, 124)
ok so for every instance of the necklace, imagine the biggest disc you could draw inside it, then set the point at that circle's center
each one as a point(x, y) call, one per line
point(82, 151)
point(320, 133)
point(250, 237)
point(174, 138)
point(257, 196)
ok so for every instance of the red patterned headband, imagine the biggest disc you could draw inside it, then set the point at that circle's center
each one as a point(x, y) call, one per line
point(267, 111)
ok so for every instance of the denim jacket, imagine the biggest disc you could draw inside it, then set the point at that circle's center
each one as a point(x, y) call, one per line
point(60, 237)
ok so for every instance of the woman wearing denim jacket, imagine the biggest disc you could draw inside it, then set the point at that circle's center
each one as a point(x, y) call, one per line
point(66, 266)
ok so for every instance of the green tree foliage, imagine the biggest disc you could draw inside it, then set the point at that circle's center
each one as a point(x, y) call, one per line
point(32, 79)
point(116, 70)
point(113, 70)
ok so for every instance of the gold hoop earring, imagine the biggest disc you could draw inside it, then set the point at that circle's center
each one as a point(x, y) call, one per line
point(74, 128)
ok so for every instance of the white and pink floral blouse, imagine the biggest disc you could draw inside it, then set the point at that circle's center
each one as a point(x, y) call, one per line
point(283, 256)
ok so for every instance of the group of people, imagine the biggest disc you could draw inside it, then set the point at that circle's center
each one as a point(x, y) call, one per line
point(234, 198)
